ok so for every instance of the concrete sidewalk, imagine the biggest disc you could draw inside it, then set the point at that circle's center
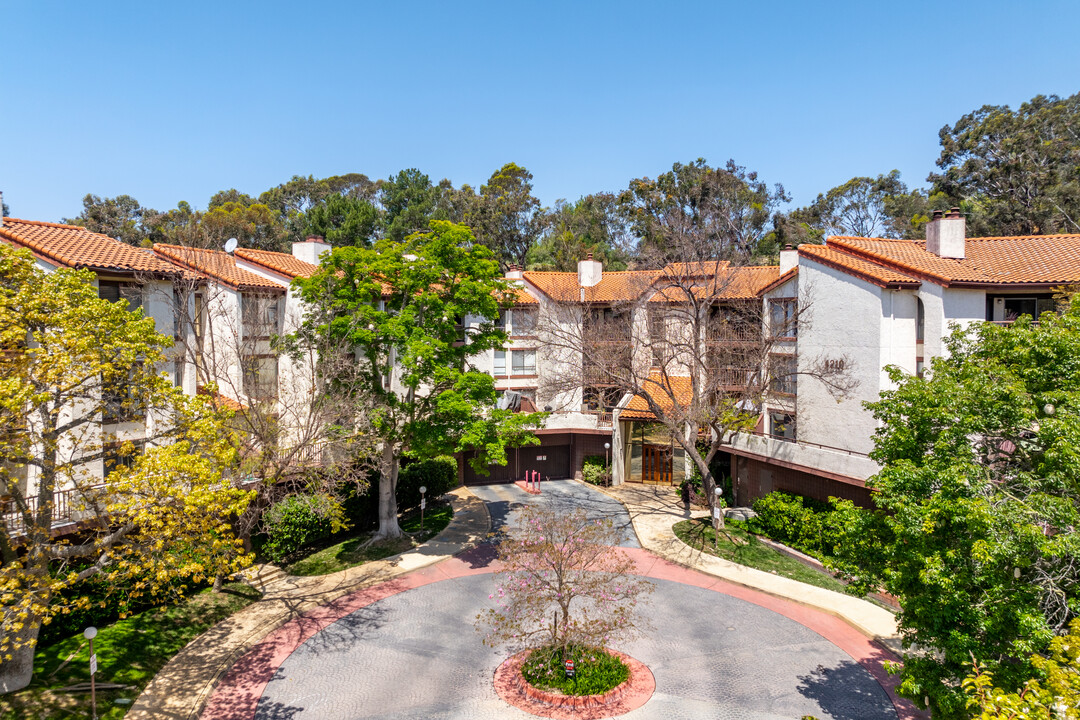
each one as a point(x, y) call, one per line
point(655, 509)
point(180, 690)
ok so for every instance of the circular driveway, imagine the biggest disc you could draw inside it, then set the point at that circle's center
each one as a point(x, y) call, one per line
point(416, 655)
point(407, 648)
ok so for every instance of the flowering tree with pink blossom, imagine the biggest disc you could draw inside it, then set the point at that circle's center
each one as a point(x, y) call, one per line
point(563, 584)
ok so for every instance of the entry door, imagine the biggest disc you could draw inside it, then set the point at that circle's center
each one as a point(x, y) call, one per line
point(656, 464)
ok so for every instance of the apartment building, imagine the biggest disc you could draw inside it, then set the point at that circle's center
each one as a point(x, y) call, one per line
point(122, 273)
point(875, 302)
point(569, 332)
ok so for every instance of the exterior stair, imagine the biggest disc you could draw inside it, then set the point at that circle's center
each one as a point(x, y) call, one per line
point(262, 575)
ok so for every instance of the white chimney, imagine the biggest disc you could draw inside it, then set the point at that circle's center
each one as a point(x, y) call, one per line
point(945, 234)
point(589, 271)
point(1, 209)
point(310, 250)
point(513, 272)
point(789, 258)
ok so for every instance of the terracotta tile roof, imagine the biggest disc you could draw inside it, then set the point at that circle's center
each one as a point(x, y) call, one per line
point(283, 263)
point(793, 272)
point(220, 401)
point(738, 283)
point(665, 393)
point(695, 269)
point(523, 297)
point(613, 286)
point(77, 247)
point(871, 272)
point(216, 264)
point(1030, 259)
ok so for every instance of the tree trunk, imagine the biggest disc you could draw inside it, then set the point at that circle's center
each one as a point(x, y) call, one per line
point(16, 673)
point(388, 512)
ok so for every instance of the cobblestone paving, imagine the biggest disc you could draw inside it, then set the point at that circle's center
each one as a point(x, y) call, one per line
point(417, 655)
point(502, 500)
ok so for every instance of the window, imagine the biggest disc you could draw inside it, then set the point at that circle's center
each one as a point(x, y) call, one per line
point(784, 374)
point(116, 455)
point(499, 367)
point(500, 324)
point(121, 401)
point(920, 321)
point(523, 321)
point(261, 315)
point(658, 336)
point(1017, 306)
point(782, 425)
point(117, 291)
point(260, 376)
point(524, 362)
point(783, 319)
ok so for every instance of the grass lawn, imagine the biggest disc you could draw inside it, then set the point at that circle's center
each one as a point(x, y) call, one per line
point(130, 652)
point(348, 553)
point(699, 534)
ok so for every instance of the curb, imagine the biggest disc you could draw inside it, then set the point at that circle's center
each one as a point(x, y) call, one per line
point(744, 576)
point(181, 689)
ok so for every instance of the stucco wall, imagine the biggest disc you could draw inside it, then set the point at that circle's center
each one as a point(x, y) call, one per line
point(841, 317)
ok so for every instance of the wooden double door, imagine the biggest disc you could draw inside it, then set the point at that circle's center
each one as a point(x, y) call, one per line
point(656, 464)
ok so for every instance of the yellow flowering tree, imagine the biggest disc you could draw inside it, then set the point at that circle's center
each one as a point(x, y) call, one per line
point(82, 388)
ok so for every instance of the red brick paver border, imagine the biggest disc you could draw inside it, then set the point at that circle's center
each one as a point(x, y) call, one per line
point(632, 694)
point(237, 696)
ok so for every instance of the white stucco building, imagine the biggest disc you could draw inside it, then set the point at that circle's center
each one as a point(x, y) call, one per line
point(871, 303)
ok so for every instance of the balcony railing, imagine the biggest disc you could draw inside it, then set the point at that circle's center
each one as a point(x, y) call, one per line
point(65, 508)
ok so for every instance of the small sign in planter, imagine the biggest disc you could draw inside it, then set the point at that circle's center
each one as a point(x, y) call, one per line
point(570, 672)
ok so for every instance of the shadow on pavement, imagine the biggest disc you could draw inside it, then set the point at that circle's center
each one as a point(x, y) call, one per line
point(846, 693)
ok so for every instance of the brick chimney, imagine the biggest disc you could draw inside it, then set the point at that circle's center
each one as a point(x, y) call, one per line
point(589, 271)
point(789, 258)
point(945, 234)
point(311, 250)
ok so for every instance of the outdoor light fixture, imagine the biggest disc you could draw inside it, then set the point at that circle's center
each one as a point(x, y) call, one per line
point(90, 633)
point(423, 504)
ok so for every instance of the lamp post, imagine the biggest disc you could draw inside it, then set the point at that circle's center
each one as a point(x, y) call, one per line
point(90, 633)
point(423, 504)
point(718, 497)
point(607, 461)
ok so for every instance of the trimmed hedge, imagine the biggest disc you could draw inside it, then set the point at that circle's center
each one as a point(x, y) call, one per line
point(802, 523)
point(595, 471)
point(439, 475)
point(298, 521)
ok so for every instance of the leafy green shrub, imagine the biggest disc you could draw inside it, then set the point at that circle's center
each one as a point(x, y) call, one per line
point(802, 523)
point(300, 520)
point(439, 475)
point(595, 670)
point(595, 471)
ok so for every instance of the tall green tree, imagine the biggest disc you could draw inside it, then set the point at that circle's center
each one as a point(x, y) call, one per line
point(69, 360)
point(721, 211)
point(1019, 170)
point(861, 207)
point(255, 226)
point(343, 221)
point(506, 216)
point(573, 229)
point(410, 202)
point(118, 217)
point(401, 305)
point(978, 505)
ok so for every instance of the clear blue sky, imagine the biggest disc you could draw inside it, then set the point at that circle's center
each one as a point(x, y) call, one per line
point(174, 101)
